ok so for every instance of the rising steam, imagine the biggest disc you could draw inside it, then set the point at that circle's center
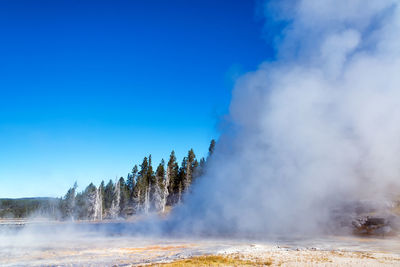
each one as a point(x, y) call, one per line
point(310, 131)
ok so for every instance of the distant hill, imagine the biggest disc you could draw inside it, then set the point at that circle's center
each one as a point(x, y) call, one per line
point(26, 207)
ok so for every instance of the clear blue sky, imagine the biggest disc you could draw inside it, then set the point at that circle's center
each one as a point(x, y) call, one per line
point(88, 88)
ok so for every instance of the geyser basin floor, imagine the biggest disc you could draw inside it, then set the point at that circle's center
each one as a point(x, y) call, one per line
point(72, 246)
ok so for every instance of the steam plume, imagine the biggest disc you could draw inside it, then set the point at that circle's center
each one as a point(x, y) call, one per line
point(315, 128)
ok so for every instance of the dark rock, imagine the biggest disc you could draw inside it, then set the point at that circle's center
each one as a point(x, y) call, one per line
point(373, 225)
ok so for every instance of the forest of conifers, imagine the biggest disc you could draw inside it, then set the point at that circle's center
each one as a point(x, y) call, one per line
point(145, 189)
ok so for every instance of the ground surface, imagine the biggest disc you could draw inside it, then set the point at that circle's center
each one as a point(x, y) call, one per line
point(72, 247)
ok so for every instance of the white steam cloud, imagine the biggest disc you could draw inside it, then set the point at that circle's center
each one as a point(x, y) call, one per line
point(314, 129)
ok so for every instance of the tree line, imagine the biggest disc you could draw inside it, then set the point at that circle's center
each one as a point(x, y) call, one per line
point(144, 190)
point(29, 207)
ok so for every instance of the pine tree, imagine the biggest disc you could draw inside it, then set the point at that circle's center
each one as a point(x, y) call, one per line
point(101, 193)
point(90, 197)
point(184, 176)
point(116, 200)
point(211, 148)
point(80, 209)
point(200, 169)
point(170, 180)
point(124, 197)
point(180, 182)
point(150, 183)
point(68, 203)
point(130, 183)
point(160, 174)
point(191, 165)
point(85, 203)
point(159, 186)
point(108, 196)
point(173, 180)
point(141, 185)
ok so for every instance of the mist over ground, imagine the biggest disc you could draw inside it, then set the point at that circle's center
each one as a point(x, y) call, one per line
point(310, 132)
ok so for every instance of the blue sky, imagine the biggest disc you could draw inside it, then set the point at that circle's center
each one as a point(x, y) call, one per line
point(88, 88)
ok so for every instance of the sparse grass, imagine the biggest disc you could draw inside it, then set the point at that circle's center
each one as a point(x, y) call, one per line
point(215, 260)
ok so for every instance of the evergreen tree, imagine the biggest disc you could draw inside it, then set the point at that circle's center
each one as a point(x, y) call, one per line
point(80, 208)
point(160, 173)
point(108, 196)
point(211, 148)
point(191, 165)
point(68, 203)
point(90, 196)
point(159, 186)
point(141, 185)
point(150, 183)
point(101, 192)
point(181, 181)
point(172, 183)
point(130, 183)
point(200, 169)
point(124, 197)
point(85, 203)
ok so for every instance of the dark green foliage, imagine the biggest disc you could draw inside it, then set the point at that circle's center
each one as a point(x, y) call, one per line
point(177, 176)
point(143, 191)
point(108, 195)
point(26, 207)
point(102, 189)
point(124, 197)
point(151, 179)
point(181, 177)
point(160, 174)
point(84, 203)
point(199, 170)
point(184, 178)
point(211, 148)
point(158, 187)
point(67, 204)
point(142, 182)
point(191, 166)
point(130, 183)
point(173, 173)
